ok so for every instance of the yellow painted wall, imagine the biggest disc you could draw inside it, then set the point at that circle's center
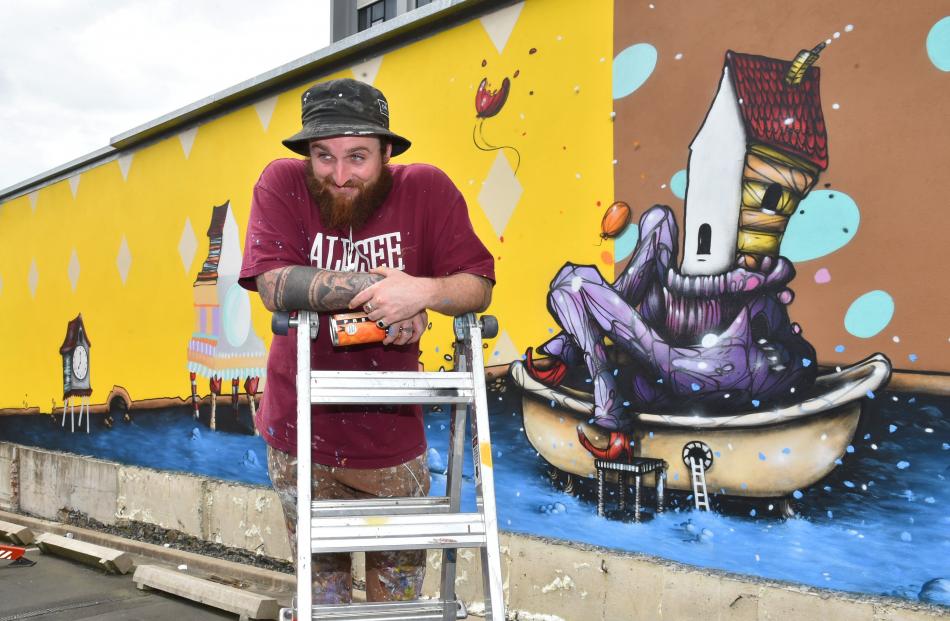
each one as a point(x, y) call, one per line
point(139, 329)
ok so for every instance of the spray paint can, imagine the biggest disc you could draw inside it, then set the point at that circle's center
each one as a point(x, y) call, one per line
point(354, 329)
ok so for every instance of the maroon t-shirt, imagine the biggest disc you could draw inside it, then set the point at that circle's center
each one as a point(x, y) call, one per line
point(423, 229)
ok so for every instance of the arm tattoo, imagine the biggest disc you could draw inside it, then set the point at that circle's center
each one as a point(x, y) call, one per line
point(308, 288)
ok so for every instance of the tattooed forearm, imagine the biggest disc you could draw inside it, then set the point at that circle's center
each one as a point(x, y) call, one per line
point(308, 288)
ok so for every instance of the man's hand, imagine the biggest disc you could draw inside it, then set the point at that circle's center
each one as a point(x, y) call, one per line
point(394, 299)
point(408, 331)
point(399, 296)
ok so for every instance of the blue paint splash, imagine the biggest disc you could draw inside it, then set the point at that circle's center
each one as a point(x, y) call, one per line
point(869, 314)
point(632, 67)
point(626, 242)
point(825, 222)
point(938, 44)
point(678, 184)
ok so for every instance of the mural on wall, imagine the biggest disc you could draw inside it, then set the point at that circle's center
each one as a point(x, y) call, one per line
point(224, 344)
point(866, 468)
point(705, 370)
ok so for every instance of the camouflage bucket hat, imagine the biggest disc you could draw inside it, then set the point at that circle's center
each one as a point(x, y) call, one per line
point(343, 108)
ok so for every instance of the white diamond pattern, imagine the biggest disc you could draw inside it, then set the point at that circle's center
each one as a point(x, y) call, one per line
point(125, 162)
point(33, 196)
point(265, 110)
point(187, 245)
point(124, 260)
point(74, 184)
point(499, 25)
point(33, 279)
point(367, 70)
point(500, 194)
point(502, 351)
point(1, 284)
point(187, 139)
point(73, 269)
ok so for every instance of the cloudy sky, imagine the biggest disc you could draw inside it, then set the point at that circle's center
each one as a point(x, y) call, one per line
point(74, 73)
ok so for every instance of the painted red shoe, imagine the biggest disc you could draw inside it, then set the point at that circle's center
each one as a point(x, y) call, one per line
point(618, 446)
point(549, 377)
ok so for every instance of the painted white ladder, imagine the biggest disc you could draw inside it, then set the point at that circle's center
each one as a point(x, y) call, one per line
point(325, 526)
point(698, 477)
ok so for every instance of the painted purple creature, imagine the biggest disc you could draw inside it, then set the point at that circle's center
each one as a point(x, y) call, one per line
point(696, 344)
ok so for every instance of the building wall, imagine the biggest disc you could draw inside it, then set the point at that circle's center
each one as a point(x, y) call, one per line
point(882, 92)
point(122, 242)
point(156, 202)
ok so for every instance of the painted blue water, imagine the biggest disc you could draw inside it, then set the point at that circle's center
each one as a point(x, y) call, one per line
point(878, 524)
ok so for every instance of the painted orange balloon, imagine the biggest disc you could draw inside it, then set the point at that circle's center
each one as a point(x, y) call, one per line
point(616, 219)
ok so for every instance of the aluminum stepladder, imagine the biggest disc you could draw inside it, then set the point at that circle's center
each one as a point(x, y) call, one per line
point(325, 526)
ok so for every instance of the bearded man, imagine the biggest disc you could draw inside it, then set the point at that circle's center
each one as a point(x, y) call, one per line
point(344, 229)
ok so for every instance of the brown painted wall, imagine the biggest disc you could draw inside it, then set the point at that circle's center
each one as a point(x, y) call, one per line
point(888, 145)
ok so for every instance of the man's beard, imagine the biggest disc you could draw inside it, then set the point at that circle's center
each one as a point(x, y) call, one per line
point(339, 212)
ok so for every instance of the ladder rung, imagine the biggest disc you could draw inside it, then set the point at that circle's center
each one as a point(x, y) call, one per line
point(397, 532)
point(378, 506)
point(340, 387)
point(414, 610)
point(419, 542)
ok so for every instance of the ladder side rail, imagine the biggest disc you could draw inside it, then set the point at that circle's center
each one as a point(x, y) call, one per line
point(304, 568)
point(700, 494)
point(456, 457)
point(453, 478)
point(484, 477)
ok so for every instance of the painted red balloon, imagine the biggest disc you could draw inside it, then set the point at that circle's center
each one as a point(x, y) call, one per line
point(489, 102)
point(615, 220)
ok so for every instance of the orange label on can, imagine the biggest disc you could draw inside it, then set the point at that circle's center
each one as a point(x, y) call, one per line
point(354, 329)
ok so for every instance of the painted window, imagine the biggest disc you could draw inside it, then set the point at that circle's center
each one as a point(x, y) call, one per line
point(772, 196)
point(704, 239)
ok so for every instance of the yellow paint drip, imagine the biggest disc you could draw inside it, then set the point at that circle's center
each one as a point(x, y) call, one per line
point(484, 449)
point(376, 520)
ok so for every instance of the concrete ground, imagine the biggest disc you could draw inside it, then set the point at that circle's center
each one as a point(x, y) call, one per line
point(59, 589)
point(56, 589)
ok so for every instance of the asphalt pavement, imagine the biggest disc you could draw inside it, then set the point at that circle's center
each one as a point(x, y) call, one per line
point(57, 589)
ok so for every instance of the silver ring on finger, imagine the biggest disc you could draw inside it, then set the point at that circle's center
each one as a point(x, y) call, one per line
point(368, 307)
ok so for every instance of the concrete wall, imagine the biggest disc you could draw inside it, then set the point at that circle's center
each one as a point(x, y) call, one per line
point(240, 516)
point(544, 579)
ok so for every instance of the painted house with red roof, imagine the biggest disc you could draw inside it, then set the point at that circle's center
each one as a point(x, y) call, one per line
point(756, 155)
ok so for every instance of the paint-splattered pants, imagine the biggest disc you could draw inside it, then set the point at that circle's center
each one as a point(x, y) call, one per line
point(393, 575)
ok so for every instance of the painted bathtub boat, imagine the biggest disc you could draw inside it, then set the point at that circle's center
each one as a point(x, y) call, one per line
point(756, 454)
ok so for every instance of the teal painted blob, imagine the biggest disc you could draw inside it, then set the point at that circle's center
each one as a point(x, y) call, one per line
point(825, 222)
point(869, 314)
point(626, 242)
point(678, 184)
point(938, 46)
point(632, 67)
